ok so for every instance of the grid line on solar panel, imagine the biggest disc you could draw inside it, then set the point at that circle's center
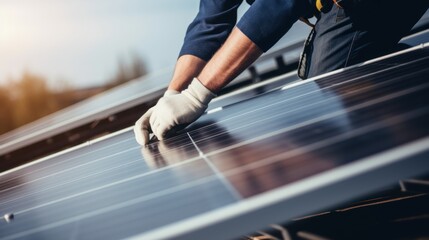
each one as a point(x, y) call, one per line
point(220, 176)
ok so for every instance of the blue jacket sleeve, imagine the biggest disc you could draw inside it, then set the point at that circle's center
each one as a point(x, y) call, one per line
point(267, 21)
point(210, 28)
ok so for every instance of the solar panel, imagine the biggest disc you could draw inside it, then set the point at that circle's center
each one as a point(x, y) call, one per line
point(283, 154)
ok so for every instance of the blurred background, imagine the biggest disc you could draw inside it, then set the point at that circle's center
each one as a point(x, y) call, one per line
point(54, 53)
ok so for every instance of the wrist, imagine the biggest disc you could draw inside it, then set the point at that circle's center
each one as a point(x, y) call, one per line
point(199, 92)
point(170, 92)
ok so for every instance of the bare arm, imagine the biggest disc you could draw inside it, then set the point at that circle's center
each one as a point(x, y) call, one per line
point(233, 57)
point(187, 67)
point(230, 60)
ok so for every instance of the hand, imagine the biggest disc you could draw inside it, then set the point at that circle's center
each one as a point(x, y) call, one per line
point(174, 112)
point(142, 127)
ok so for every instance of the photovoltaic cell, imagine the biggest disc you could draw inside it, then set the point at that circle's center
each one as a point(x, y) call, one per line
point(253, 163)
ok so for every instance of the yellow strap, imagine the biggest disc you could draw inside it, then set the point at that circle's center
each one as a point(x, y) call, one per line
point(319, 5)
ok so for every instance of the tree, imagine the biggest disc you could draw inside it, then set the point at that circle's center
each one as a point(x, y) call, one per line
point(6, 112)
point(32, 99)
point(125, 72)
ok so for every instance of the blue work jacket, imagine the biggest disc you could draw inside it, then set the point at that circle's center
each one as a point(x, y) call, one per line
point(265, 22)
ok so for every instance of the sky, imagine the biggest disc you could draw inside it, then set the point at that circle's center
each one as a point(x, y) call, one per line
point(81, 41)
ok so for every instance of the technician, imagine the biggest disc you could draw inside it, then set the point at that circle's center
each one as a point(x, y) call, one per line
point(216, 49)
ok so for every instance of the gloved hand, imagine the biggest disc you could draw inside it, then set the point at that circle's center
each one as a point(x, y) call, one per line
point(173, 112)
point(142, 126)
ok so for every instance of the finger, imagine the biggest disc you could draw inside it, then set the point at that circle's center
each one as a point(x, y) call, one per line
point(138, 134)
point(142, 128)
point(139, 131)
point(154, 122)
point(158, 131)
point(162, 129)
point(145, 120)
point(145, 137)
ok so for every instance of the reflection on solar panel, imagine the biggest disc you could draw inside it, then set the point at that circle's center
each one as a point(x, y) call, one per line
point(274, 157)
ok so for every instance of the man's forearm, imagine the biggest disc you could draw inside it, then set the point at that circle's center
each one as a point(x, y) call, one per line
point(179, 109)
point(187, 67)
point(230, 60)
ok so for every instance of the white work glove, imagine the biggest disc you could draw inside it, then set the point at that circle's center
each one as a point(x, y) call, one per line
point(142, 126)
point(174, 112)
